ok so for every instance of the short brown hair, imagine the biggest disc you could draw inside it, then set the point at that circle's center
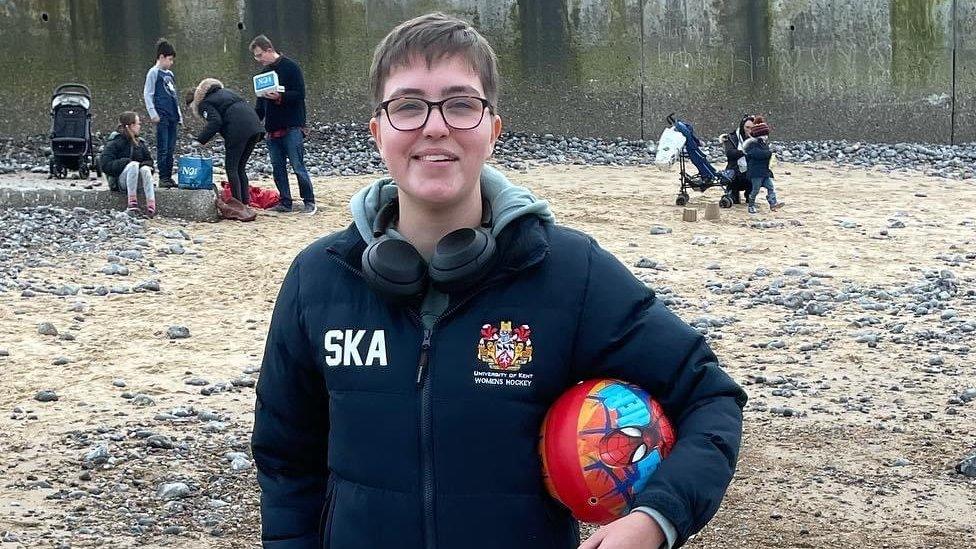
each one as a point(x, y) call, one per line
point(261, 41)
point(434, 36)
point(164, 49)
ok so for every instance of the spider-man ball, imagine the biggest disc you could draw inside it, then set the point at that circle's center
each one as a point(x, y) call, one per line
point(600, 443)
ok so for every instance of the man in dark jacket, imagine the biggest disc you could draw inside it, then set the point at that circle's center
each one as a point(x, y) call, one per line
point(371, 427)
point(284, 119)
point(232, 117)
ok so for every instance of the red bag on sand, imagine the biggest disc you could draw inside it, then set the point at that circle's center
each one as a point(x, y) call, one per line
point(260, 197)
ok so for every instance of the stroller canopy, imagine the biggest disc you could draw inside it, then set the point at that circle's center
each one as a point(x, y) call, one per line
point(70, 99)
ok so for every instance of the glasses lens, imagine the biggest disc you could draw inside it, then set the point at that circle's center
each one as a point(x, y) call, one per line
point(463, 113)
point(407, 113)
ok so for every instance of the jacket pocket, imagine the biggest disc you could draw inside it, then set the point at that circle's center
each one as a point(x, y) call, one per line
point(328, 508)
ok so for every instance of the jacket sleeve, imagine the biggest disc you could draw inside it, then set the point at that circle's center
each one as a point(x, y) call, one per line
point(295, 88)
point(149, 92)
point(214, 122)
point(732, 153)
point(291, 428)
point(111, 162)
point(624, 332)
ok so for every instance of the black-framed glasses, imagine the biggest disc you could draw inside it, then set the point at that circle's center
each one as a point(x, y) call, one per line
point(462, 112)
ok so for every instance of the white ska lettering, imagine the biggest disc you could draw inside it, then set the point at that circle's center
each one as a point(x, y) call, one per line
point(342, 348)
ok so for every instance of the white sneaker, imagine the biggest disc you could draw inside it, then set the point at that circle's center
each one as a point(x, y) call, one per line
point(311, 208)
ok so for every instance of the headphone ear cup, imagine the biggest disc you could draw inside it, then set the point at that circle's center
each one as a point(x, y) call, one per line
point(394, 268)
point(461, 259)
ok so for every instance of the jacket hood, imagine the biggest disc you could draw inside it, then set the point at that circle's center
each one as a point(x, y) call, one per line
point(508, 202)
point(119, 135)
point(203, 88)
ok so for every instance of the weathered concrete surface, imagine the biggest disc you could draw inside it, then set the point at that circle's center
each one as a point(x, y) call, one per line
point(178, 203)
point(965, 27)
point(819, 68)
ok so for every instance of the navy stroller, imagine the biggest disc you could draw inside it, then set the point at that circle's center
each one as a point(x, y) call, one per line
point(679, 141)
point(71, 135)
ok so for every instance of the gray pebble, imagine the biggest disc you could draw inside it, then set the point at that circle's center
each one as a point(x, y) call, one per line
point(46, 395)
point(172, 491)
point(177, 332)
point(143, 400)
point(968, 466)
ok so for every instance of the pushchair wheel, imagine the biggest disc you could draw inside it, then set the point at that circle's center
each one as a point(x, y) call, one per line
point(681, 200)
point(725, 202)
point(83, 171)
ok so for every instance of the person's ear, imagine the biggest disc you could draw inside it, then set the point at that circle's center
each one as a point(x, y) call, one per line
point(496, 130)
point(374, 130)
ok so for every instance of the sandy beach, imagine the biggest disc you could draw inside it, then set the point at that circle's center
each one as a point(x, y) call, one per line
point(852, 434)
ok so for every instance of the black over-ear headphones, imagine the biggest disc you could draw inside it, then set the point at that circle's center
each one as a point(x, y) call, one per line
point(396, 269)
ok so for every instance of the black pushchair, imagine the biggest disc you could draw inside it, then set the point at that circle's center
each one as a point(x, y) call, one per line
point(679, 141)
point(71, 135)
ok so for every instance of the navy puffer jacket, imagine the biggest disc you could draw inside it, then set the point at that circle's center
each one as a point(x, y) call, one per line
point(353, 451)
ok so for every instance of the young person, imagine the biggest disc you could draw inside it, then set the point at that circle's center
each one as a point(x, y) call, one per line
point(163, 107)
point(126, 157)
point(758, 155)
point(371, 429)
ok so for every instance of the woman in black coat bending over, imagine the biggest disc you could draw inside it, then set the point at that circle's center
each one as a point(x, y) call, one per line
point(736, 158)
point(228, 114)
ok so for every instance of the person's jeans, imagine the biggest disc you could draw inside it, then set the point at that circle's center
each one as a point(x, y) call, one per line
point(292, 147)
point(165, 146)
point(763, 182)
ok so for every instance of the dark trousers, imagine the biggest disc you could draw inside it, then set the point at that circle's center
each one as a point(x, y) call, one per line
point(290, 147)
point(235, 162)
point(740, 184)
point(165, 145)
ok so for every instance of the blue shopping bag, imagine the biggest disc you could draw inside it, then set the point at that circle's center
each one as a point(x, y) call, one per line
point(196, 172)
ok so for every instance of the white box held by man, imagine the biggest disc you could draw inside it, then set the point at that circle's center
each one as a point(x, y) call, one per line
point(267, 82)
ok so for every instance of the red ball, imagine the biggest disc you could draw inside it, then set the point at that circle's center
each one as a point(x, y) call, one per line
point(600, 443)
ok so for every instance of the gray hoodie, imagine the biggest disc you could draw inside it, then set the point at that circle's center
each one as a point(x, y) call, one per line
point(508, 202)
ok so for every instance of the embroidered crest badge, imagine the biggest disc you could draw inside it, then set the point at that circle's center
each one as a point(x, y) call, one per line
point(503, 348)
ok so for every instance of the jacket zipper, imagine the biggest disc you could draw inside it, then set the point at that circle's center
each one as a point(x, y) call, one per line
point(426, 419)
point(426, 440)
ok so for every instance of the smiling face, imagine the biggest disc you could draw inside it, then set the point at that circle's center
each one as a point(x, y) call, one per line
point(435, 166)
